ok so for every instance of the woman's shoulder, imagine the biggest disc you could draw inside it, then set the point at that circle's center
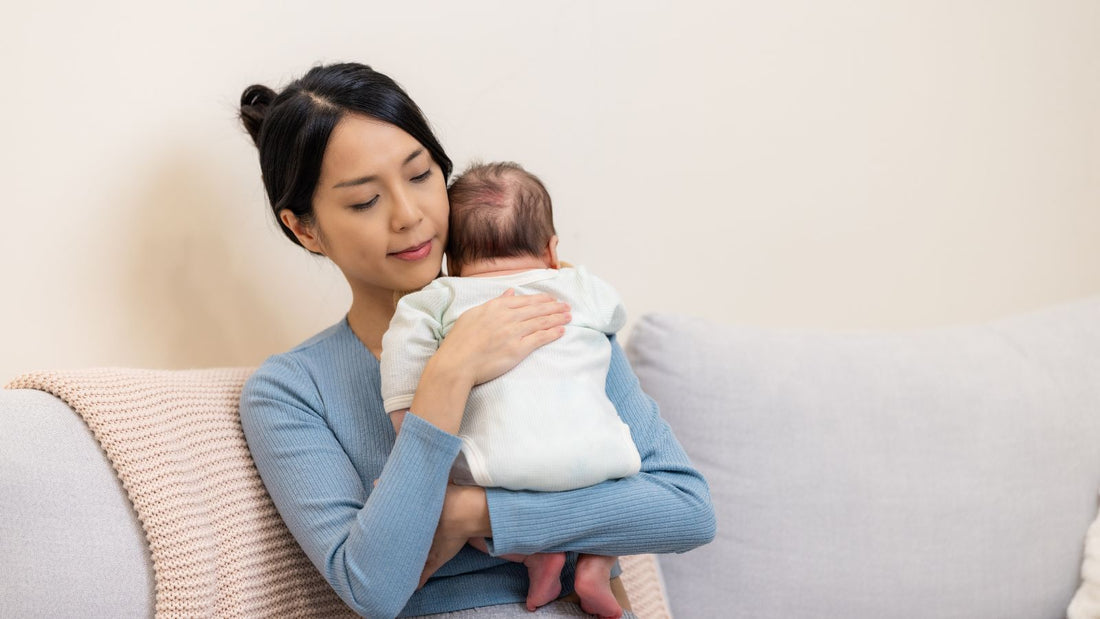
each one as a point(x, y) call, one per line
point(309, 366)
point(319, 342)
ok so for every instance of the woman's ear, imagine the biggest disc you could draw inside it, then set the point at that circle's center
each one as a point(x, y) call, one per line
point(552, 252)
point(305, 234)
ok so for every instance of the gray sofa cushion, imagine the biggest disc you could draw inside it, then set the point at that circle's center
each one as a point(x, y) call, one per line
point(937, 473)
point(70, 543)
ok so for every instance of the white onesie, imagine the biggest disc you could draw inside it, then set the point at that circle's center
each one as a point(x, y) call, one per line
point(545, 425)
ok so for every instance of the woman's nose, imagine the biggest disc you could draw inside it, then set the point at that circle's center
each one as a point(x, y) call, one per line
point(406, 213)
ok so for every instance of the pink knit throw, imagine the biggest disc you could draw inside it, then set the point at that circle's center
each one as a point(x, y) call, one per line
point(218, 546)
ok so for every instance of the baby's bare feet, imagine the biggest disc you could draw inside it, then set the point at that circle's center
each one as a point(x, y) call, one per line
point(593, 585)
point(544, 574)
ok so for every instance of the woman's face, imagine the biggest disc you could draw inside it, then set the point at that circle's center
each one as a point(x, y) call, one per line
point(380, 207)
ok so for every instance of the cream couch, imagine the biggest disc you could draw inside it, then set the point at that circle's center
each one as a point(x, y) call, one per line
point(929, 474)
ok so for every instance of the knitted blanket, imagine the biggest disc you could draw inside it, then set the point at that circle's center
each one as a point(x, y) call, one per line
point(218, 546)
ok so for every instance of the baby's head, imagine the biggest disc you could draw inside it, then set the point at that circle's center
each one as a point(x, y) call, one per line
point(499, 211)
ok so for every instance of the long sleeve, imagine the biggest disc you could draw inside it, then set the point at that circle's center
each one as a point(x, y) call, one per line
point(605, 306)
point(370, 544)
point(413, 337)
point(664, 508)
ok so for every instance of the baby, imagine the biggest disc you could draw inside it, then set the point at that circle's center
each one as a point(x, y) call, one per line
point(547, 424)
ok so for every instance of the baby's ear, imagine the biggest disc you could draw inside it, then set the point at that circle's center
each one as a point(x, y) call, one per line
point(552, 252)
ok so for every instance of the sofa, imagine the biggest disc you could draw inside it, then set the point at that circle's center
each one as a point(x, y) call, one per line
point(937, 473)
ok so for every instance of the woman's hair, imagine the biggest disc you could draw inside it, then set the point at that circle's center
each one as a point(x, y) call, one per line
point(292, 128)
point(498, 210)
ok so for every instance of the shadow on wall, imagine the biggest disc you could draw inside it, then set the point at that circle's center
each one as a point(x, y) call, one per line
point(192, 295)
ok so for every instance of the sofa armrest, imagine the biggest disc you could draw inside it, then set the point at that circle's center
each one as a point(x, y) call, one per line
point(69, 538)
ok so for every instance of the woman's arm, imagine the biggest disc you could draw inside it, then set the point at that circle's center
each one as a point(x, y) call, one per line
point(664, 508)
point(370, 545)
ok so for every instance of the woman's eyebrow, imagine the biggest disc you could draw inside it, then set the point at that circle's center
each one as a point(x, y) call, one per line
point(366, 179)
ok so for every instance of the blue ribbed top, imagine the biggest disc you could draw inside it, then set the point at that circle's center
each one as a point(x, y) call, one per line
point(314, 422)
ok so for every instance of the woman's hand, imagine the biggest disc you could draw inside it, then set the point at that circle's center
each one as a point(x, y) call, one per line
point(465, 514)
point(495, 336)
point(485, 342)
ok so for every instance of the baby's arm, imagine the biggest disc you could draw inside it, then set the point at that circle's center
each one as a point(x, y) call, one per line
point(605, 306)
point(408, 345)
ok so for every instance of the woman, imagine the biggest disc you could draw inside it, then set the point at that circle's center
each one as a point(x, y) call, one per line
point(354, 173)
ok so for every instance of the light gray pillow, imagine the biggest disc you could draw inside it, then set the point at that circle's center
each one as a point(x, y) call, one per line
point(938, 473)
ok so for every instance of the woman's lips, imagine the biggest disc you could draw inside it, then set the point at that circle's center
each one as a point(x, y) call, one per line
point(414, 253)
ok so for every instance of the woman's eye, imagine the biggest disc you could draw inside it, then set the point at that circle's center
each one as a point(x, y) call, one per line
point(365, 205)
point(422, 177)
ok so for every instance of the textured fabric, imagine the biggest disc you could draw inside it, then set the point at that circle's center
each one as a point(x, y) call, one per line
point(519, 611)
point(62, 508)
point(314, 420)
point(644, 586)
point(218, 547)
point(545, 425)
point(66, 518)
point(938, 473)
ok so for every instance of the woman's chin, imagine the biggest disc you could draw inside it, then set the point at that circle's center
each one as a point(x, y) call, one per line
point(421, 276)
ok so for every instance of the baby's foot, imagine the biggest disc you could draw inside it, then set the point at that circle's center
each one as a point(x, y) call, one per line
point(593, 585)
point(544, 574)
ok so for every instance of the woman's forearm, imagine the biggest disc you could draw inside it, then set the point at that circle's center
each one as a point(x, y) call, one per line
point(441, 395)
point(370, 544)
point(659, 511)
point(664, 508)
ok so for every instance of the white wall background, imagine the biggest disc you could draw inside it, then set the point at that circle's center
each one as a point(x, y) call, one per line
point(837, 164)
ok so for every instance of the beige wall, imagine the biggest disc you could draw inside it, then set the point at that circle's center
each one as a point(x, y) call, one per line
point(842, 164)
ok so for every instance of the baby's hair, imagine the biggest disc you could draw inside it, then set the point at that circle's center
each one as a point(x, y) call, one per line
point(498, 210)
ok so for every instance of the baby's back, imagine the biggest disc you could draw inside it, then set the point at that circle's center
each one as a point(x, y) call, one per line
point(547, 424)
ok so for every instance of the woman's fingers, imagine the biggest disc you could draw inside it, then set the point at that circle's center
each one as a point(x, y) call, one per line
point(524, 307)
point(549, 321)
point(538, 313)
point(544, 317)
point(539, 338)
point(465, 514)
point(443, 549)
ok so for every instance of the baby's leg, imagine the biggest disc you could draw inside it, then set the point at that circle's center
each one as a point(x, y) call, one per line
point(543, 573)
point(593, 586)
point(544, 576)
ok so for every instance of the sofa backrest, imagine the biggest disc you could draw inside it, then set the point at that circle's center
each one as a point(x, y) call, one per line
point(938, 473)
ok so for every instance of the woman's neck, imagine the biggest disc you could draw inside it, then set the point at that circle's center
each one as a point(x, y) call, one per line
point(369, 317)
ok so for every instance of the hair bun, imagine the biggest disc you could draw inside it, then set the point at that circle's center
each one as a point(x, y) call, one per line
point(254, 102)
